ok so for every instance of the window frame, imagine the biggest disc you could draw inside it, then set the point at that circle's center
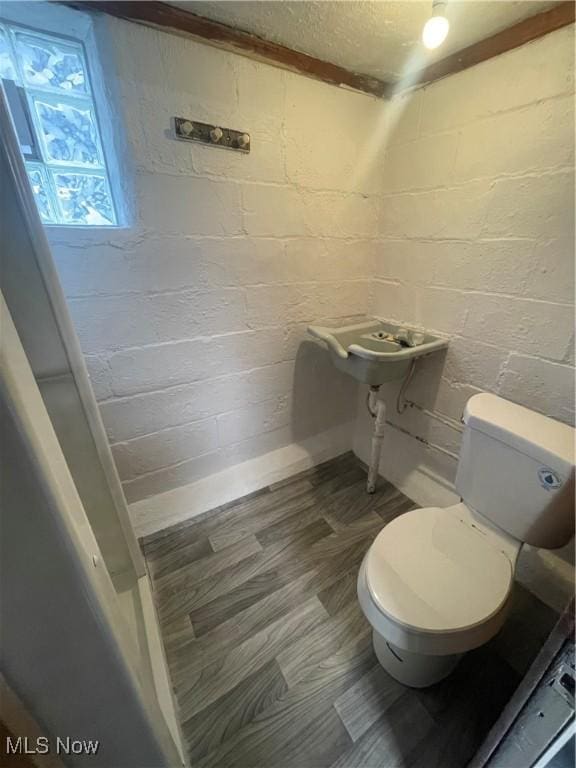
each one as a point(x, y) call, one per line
point(47, 24)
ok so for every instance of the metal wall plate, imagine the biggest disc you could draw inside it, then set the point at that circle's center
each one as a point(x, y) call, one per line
point(213, 135)
point(564, 683)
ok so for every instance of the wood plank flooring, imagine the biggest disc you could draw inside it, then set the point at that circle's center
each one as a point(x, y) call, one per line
point(269, 653)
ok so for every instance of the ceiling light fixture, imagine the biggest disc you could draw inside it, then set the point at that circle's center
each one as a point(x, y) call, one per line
point(436, 28)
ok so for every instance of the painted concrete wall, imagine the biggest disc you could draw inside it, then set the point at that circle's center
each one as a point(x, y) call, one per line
point(193, 319)
point(451, 209)
point(477, 229)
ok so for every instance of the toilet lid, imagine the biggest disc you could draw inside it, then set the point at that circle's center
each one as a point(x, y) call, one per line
point(430, 571)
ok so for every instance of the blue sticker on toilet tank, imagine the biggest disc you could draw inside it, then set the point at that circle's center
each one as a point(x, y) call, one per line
point(549, 479)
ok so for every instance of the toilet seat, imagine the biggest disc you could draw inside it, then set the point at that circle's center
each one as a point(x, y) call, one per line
point(432, 583)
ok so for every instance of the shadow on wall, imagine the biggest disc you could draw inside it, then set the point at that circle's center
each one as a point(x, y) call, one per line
point(322, 396)
point(399, 459)
point(425, 385)
point(424, 390)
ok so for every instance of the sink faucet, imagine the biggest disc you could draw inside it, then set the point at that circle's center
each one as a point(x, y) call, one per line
point(407, 338)
point(402, 337)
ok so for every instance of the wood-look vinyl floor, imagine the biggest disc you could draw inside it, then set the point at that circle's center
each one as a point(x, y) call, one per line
point(269, 653)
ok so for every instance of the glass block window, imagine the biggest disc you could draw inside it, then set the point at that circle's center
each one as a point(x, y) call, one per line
point(47, 86)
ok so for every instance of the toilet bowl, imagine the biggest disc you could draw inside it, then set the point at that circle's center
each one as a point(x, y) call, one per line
point(437, 582)
point(434, 584)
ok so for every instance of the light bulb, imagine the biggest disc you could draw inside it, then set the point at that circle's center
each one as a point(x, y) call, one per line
point(435, 31)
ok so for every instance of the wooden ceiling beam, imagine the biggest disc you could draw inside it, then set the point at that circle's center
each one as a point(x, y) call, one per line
point(164, 16)
point(168, 17)
point(519, 34)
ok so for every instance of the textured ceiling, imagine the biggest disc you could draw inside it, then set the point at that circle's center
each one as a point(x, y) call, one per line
point(374, 37)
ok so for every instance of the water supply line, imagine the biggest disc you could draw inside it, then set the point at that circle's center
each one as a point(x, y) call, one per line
point(401, 402)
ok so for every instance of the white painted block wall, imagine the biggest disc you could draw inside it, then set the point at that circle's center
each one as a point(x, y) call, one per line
point(477, 242)
point(193, 317)
point(450, 209)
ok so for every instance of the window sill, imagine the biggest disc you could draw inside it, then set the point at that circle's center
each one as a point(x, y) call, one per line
point(85, 227)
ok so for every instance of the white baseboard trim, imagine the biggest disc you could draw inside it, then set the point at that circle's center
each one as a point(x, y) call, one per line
point(421, 483)
point(165, 509)
point(427, 488)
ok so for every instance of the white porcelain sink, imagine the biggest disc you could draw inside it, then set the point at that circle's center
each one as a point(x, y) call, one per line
point(374, 351)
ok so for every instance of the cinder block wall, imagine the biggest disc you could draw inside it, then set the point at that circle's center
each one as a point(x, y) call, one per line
point(477, 236)
point(450, 209)
point(477, 242)
point(193, 318)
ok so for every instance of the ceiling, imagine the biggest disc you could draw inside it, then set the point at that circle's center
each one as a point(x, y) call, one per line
point(380, 38)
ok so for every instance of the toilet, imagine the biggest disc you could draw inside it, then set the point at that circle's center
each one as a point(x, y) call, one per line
point(437, 582)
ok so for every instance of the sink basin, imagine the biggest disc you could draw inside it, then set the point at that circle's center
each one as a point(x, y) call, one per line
point(375, 352)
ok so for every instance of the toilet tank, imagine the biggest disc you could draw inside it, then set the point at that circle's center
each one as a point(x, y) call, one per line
point(517, 469)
